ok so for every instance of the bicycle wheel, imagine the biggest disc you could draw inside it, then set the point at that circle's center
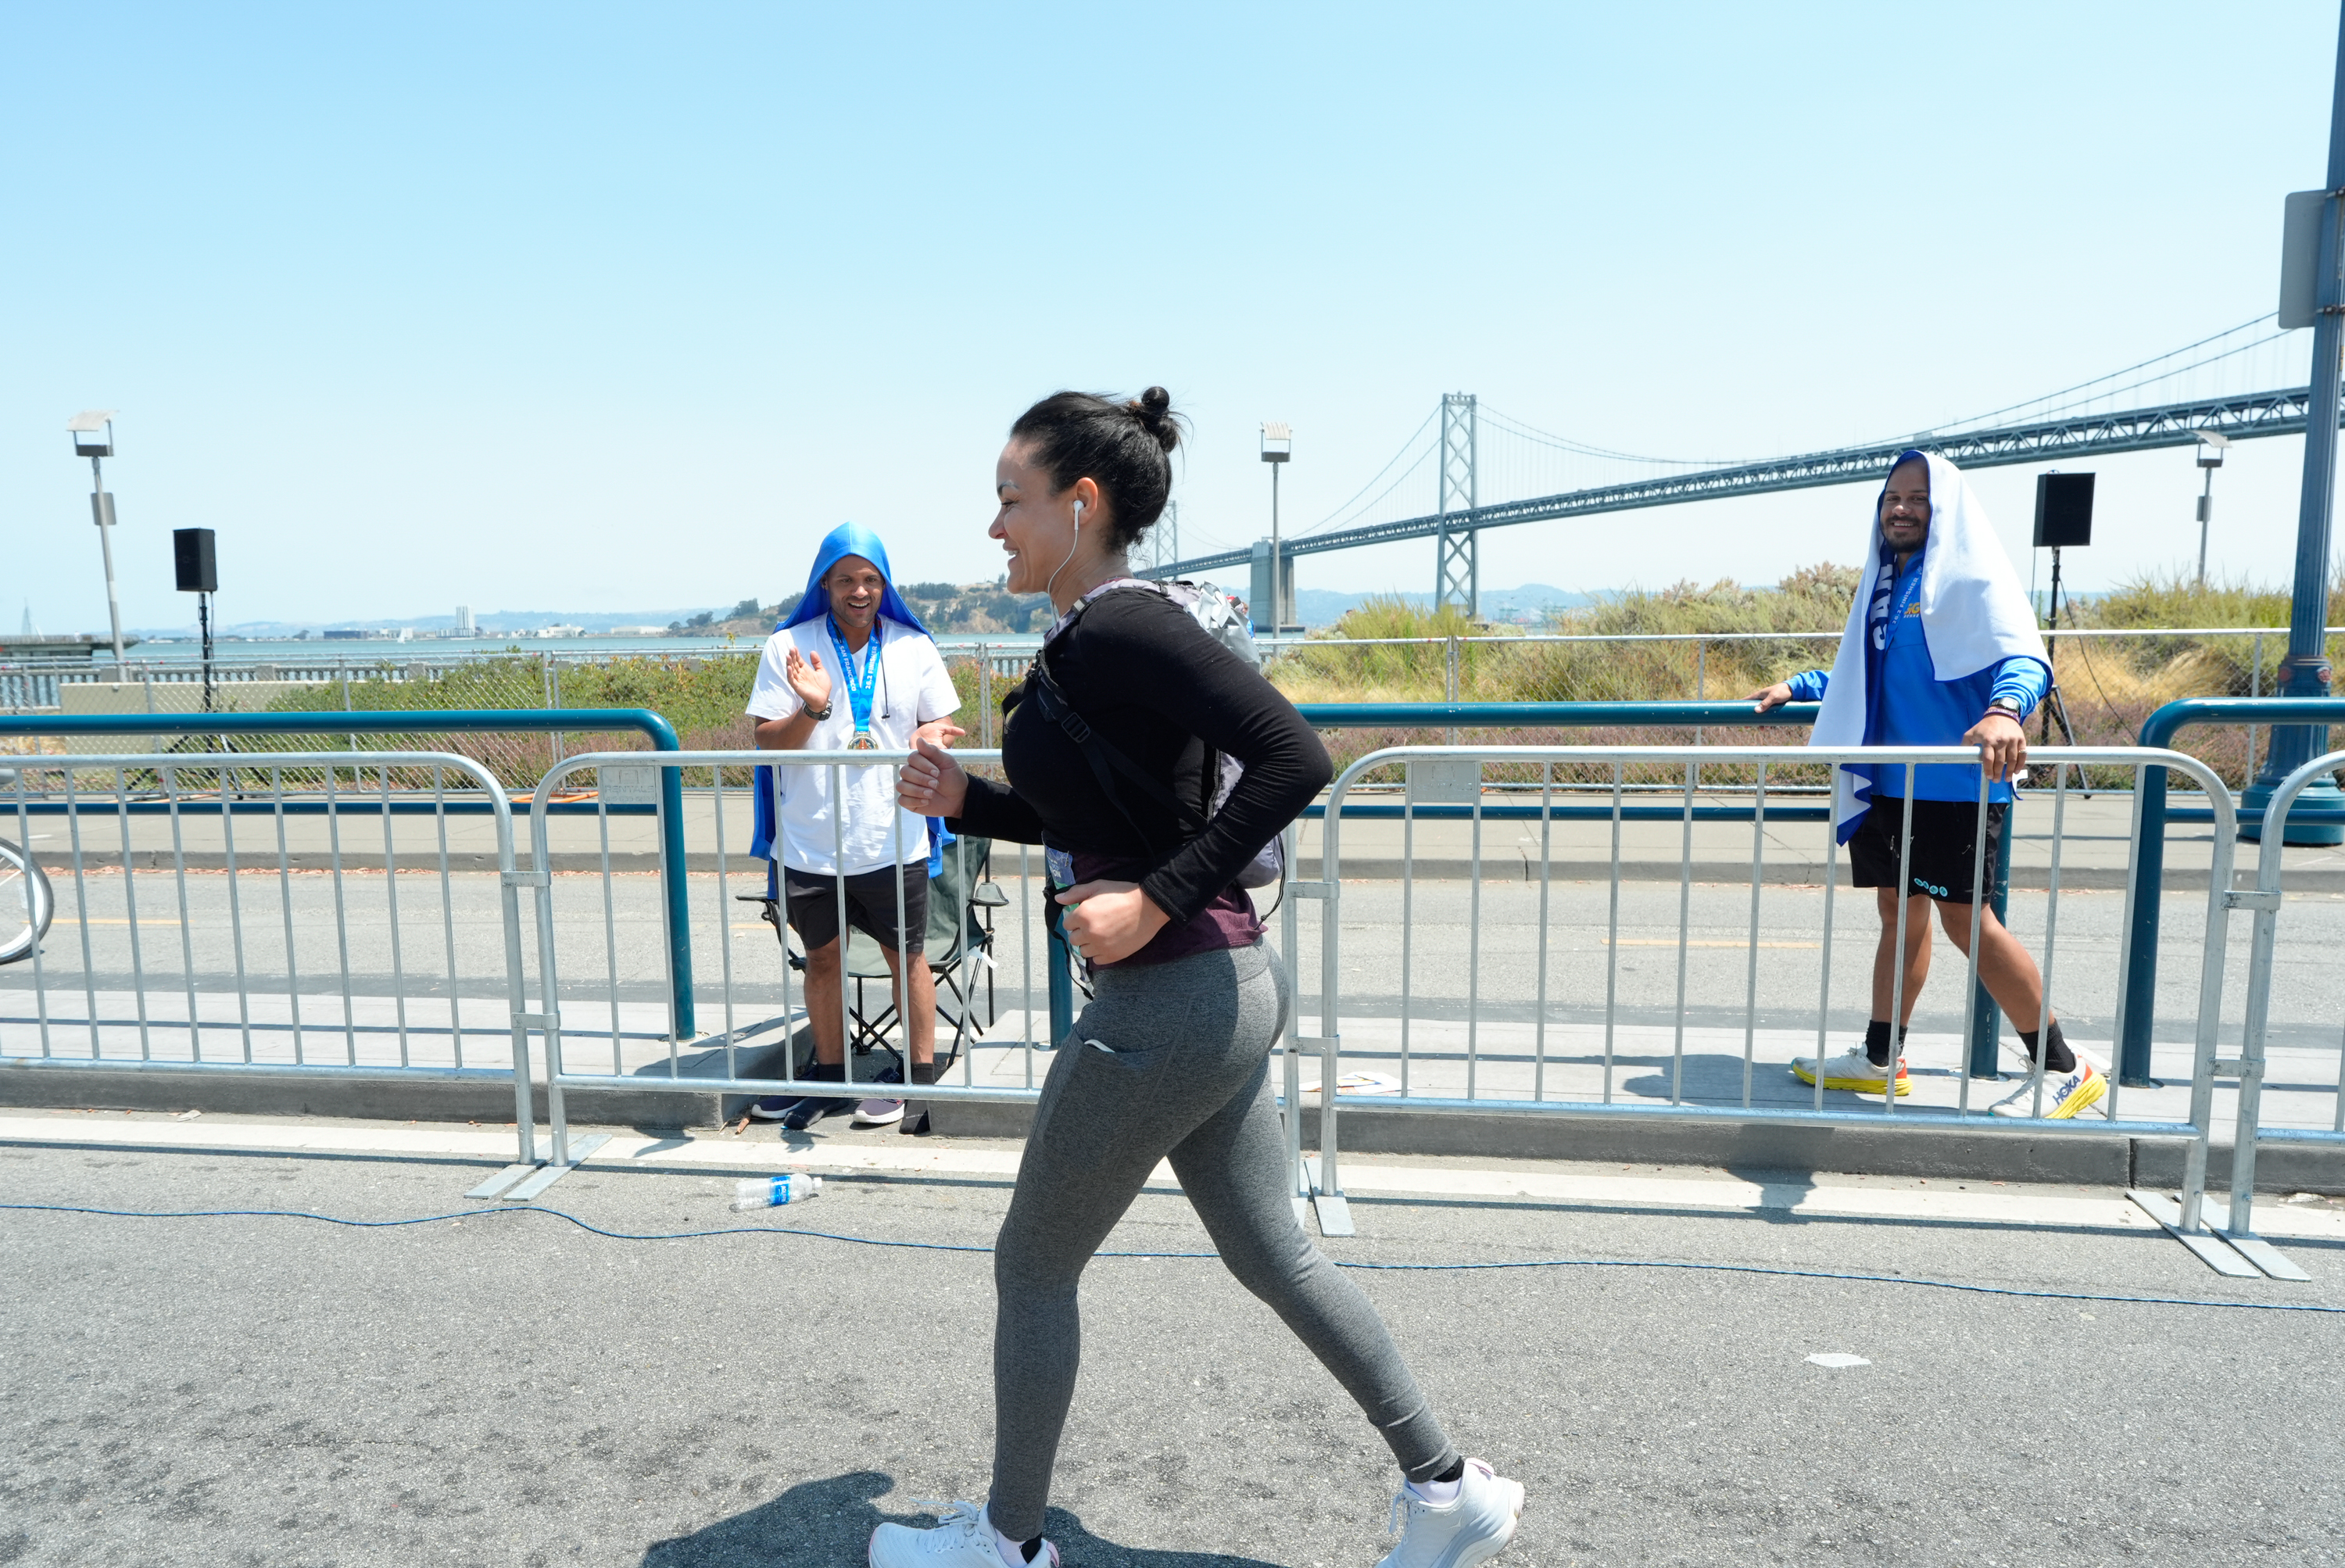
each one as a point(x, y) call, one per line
point(27, 903)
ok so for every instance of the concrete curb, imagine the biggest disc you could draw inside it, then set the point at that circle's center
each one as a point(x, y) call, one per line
point(2114, 1159)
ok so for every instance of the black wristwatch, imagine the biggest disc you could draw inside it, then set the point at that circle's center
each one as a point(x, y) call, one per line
point(820, 714)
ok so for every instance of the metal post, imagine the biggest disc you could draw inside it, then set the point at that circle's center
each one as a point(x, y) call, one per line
point(2307, 673)
point(1278, 561)
point(1987, 1018)
point(1058, 970)
point(101, 509)
point(2206, 511)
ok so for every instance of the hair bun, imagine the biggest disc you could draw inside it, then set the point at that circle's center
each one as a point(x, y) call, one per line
point(1154, 408)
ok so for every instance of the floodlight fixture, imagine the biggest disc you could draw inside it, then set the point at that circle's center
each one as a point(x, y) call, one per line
point(1277, 441)
point(2211, 445)
point(93, 432)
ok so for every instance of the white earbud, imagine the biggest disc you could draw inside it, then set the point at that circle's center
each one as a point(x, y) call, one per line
point(1075, 542)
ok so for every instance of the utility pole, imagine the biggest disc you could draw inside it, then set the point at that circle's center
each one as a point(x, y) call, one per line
point(93, 434)
point(1456, 568)
point(2306, 672)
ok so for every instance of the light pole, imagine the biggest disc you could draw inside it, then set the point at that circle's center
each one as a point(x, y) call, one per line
point(1277, 446)
point(2210, 458)
point(92, 437)
point(2307, 673)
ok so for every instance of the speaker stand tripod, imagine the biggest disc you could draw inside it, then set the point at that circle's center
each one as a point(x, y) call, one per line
point(2056, 708)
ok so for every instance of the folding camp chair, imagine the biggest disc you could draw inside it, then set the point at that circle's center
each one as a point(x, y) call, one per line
point(961, 902)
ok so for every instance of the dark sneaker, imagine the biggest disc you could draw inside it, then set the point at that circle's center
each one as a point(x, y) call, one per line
point(880, 1112)
point(773, 1107)
point(810, 1110)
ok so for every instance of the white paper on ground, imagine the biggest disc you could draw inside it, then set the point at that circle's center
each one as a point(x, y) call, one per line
point(1836, 1359)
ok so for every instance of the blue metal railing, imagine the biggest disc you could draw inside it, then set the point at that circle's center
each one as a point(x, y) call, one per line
point(439, 721)
point(2139, 1003)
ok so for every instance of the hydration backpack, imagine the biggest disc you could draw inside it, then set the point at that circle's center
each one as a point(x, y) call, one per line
point(1218, 614)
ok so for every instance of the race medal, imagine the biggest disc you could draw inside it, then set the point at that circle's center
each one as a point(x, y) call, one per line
point(861, 683)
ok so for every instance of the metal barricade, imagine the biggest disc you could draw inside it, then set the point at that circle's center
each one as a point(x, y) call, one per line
point(755, 995)
point(2152, 813)
point(253, 959)
point(1506, 1050)
point(2252, 1068)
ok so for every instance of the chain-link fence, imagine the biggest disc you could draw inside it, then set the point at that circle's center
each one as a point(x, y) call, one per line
point(704, 696)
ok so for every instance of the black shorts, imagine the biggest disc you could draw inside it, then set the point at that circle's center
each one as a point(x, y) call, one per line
point(1939, 862)
point(813, 903)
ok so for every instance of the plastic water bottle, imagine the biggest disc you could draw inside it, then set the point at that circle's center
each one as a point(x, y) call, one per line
point(772, 1192)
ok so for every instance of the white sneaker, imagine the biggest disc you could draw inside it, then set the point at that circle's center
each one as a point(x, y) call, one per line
point(1472, 1527)
point(1852, 1069)
point(965, 1538)
point(878, 1113)
point(2064, 1093)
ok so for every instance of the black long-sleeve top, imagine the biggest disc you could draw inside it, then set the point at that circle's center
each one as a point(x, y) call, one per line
point(1159, 688)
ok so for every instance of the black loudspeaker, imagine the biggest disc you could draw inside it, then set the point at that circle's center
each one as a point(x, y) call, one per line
point(2064, 510)
point(191, 554)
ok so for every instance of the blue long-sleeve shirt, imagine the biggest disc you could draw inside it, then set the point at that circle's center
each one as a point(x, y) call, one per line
point(1911, 707)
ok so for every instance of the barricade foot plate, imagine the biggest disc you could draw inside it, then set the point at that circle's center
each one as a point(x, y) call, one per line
point(1335, 1213)
point(2263, 1253)
point(580, 1148)
point(2210, 1248)
point(496, 1185)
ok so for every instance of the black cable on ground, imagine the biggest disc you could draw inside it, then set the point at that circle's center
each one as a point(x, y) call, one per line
point(595, 1229)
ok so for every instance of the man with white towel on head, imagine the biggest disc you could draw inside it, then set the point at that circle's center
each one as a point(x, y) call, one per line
point(1942, 649)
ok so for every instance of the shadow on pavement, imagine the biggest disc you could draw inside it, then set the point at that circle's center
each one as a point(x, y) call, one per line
point(827, 1523)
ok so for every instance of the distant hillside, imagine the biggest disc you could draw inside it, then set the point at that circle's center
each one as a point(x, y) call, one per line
point(1528, 603)
point(964, 610)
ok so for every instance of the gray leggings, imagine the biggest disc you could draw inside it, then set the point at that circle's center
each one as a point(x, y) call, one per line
point(1185, 1075)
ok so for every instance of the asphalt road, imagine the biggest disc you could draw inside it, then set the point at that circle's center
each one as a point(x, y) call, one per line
point(512, 1390)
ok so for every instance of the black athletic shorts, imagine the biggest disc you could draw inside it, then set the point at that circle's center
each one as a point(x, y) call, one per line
point(813, 903)
point(1946, 840)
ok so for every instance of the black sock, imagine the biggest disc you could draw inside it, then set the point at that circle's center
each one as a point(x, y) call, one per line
point(1876, 1042)
point(1032, 1549)
point(1457, 1471)
point(2057, 1057)
point(924, 1072)
point(826, 1073)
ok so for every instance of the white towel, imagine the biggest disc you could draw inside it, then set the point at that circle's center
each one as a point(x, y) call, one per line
point(1975, 613)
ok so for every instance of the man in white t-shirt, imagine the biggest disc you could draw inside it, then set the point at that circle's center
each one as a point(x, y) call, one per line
point(852, 669)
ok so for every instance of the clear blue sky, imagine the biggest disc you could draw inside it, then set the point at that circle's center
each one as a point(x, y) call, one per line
point(621, 307)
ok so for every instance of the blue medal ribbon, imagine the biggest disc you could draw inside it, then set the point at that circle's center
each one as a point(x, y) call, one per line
point(861, 684)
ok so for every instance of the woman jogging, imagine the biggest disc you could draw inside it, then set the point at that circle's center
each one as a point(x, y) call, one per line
point(1170, 1059)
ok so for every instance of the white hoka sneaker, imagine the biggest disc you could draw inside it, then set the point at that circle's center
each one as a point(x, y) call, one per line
point(2064, 1093)
point(964, 1538)
point(1852, 1070)
point(1472, 1527)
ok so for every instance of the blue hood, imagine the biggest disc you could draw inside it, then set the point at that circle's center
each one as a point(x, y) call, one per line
point(851, 539)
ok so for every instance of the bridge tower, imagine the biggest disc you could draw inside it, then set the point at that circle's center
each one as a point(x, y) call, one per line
point(1160, 547)
point(1456, 568)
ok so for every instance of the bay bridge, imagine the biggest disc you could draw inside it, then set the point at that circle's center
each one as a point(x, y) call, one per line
point(2065, 430)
